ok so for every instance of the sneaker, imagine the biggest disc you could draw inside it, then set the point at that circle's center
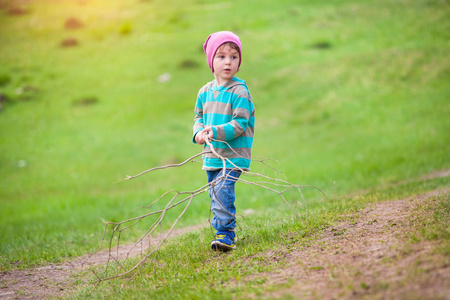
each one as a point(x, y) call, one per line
point(224, 241)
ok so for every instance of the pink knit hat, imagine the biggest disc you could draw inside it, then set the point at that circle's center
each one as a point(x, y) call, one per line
point(215, 40)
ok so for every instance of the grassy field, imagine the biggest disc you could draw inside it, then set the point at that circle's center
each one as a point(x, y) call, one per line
point(351, 96)
point(266, 241)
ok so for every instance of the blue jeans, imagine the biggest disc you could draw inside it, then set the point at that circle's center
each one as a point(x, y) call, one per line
point(222, 194)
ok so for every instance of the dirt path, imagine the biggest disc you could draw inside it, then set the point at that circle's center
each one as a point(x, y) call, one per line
point(57, 279)
point(364, 258)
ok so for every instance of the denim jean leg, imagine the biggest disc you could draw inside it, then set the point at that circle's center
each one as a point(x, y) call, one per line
point(223, 198)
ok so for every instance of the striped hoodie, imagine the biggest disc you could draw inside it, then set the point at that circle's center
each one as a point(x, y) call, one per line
point(229, 110)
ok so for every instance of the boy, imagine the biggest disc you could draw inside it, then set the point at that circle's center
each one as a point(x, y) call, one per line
point(224, 113)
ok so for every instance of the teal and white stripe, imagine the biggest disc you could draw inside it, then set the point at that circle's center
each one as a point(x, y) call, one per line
point(229, 110)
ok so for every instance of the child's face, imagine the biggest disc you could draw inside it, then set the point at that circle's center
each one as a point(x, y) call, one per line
point(225, 64)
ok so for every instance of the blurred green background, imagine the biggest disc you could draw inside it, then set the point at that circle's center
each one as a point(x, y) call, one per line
point(349, 96)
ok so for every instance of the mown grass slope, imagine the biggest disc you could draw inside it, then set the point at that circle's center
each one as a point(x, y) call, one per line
point(350, 95)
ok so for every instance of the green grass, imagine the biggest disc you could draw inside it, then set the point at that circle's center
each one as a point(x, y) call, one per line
point(263, 243)
point(368, 109)
point(432, 223)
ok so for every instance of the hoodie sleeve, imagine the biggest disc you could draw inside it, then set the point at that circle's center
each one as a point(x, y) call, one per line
point(198, 119)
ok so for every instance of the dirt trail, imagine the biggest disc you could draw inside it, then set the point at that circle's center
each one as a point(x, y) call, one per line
point(57, 279)
point(364, 258)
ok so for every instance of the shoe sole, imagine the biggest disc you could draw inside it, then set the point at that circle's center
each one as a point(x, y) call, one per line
point(218, 246)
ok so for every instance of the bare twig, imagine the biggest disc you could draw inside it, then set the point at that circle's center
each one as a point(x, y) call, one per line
point(275, 185)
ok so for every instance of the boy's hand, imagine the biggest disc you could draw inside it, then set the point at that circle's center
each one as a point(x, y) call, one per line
point(199, 139)
point(200, 136)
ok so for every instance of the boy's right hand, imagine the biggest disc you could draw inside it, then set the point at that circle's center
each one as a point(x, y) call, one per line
point(199, 138)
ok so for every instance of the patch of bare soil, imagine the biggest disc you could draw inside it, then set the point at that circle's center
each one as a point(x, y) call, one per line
point(368, 257)
point(57, 280)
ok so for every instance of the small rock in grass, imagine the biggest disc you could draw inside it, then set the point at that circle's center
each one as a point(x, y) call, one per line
point(164, 78)
point(73, 23)
point(85, 101)
point(188, 64)
point(17, 11)
point(69, 42)
point(321, 45)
